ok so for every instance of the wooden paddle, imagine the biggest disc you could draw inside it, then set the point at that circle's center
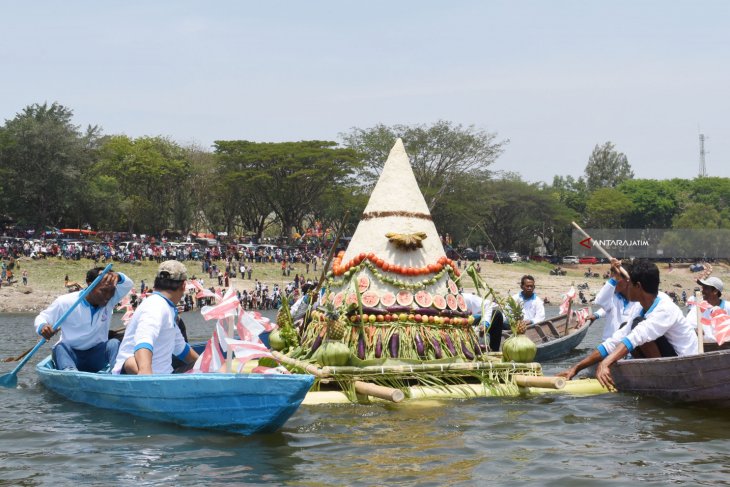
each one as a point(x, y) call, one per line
point(11, 379)
point(600, 249)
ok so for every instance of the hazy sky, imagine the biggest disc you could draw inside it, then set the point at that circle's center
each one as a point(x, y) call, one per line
point(554, 77)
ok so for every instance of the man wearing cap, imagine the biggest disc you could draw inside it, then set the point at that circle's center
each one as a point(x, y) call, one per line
point(85, 343)
point(153, 336)
point(711, 292)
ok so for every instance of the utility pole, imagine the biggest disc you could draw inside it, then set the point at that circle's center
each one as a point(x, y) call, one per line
point(703, 171)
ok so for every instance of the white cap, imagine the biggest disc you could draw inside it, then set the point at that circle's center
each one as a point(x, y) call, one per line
point(712, 281)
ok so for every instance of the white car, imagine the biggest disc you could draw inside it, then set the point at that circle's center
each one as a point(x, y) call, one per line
point(570, 259)
point(515, 256)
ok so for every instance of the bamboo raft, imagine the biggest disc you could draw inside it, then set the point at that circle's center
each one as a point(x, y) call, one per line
point(494, 378)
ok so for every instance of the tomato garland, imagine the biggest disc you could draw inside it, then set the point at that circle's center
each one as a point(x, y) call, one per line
point(338, 268)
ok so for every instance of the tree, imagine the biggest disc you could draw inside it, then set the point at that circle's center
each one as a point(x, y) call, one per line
point(607, 208)
point(440, 154)
point(653, 203)
point(607, 168)
point(290, 177)
point(44, 156)
point(153, 174)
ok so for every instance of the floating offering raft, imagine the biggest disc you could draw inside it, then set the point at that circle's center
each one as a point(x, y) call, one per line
point(390, 319)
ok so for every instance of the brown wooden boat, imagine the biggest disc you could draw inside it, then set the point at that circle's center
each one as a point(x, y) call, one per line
point(693, 378)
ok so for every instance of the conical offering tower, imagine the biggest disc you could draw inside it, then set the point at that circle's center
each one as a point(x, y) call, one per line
point(393, 294)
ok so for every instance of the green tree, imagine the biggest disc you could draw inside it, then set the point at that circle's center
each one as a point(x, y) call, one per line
point(153, 174)
point(607, 208)
point(440, 154)
point(290, 177)
point(607, 168)
point(43, 156)
point(653, 203)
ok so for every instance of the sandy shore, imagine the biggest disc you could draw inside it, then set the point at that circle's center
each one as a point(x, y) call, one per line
point(504, 278)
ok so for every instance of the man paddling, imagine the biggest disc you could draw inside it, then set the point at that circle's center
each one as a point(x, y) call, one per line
point(153, 336)
point(614, 302)
point(656, 329)
point(85, 343)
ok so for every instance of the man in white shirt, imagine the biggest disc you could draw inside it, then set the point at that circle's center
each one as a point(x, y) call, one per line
point(153, 335)
point(533, 308)
point(487, 318)
point(658, 329)
point(614, 302)
point(712, 294)
point(84, 344)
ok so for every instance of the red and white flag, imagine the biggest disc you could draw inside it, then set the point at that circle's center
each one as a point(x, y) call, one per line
point(582, 315)
point(720, 321)
point(226, 307)
point(567, 298)
point(213, 358)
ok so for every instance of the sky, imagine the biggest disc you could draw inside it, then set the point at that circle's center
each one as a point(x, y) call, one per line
point(555, 78)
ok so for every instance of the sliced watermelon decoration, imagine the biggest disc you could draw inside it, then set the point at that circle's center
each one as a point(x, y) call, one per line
point(424, 299)
point(451, 301)
point(351, 299)
point(452, 286)
point(363, 283)
point(404, 298)
point(439, 301)
point(337, 299)
point(370, 298)
point(387, 299)
point(461, 302)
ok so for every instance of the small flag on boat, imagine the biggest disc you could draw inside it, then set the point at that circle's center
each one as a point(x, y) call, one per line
point(581, 316)
point(720, 321)
point(565, 305)
point(228, 306)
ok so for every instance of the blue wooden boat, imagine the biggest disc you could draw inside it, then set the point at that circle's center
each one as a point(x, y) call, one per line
point(236, 403)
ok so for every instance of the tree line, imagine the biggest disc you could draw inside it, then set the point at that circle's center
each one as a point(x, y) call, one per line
point(57, 174)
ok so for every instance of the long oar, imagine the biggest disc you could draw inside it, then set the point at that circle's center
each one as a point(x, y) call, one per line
point(600, 249)
point(11, 379)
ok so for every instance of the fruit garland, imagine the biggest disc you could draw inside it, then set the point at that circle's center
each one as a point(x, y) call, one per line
point(389, 280)
point(339, 269)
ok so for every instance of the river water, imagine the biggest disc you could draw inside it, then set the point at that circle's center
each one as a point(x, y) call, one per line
point(560, 440)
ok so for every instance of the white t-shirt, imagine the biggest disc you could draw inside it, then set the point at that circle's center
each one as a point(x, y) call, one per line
point(614, 307)
point(154, 327)
point(663, 318)
point(533, 309)
point(86, 326)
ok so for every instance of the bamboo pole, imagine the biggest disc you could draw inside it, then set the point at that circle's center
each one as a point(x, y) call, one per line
point(545, 382)
point(700, 330)
point(600, 249)
point(381, 392)
point(310, 368)
point(418, 368)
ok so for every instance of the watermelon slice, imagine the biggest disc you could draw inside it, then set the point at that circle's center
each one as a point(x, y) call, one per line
point(387, 299)
point(363, 283)
point(404, 298)
point(370, 298)
point(461, 302)
point(424, 299)
point(351, 299)
point(439, 301)
point(451, 301)
point(452, 286)
point(337, 299)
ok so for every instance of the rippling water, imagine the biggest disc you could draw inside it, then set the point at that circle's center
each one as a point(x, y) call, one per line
point(611, 439)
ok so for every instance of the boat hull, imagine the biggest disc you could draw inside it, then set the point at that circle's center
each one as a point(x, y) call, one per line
point(694, 378)
point(237, 403)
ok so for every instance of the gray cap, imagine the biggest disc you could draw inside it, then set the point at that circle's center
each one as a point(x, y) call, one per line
point(172, 269)
point(712, 281)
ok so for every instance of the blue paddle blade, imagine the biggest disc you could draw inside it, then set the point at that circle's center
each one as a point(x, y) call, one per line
point(9, 380)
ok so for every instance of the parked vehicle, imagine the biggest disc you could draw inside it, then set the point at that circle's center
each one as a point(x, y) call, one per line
point(515, 256)
point(570, 259)
point(588, 260)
